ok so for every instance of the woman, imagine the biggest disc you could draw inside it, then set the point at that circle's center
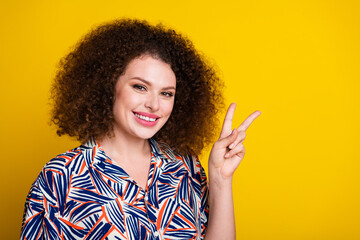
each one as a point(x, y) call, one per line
point(144, 103)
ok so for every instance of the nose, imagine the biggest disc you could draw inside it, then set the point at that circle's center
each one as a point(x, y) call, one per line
point(152, 102)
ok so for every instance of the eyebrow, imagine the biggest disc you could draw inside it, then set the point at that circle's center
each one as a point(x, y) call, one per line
point(149, 83)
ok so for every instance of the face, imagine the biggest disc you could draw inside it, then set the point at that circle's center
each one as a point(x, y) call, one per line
point(144, 98)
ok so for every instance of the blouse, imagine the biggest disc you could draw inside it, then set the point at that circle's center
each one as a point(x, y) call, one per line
point(83, 194)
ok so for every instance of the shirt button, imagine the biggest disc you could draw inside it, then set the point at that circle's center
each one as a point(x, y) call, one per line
point(146, 198)
point(156, 233)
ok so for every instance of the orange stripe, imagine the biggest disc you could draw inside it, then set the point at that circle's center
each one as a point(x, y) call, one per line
point(105, 215)
point(80, 206)
point(151, 205)
point(98, 221)
point(185, 165)
point(119, 204)
point(160, 216)
point(32, 217)
point(168, 185)
point(173, 230)
point(52, 170)
point(135, 197)
point(186, 220)
point(97, 143)
point(54, 226)
point(46, 231)
point(70, 159)
point(138, 200)
point(94, 151)
point(65, 157)
point(174, 170)
point(35, 200)
point(82, 166)
point(45, 204)
point(71, 224)
point(171, 219)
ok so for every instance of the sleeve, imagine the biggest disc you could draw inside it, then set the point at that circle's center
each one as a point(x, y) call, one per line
point(204, 194)
point(39, 219)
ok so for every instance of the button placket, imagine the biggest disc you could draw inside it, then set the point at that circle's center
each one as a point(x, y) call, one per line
point(146, 200)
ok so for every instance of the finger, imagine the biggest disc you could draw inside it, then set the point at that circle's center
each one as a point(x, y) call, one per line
point(240, 155)
point(239, 139)
point(234, 163)
point(226, 141)
point(237, 150)
point(236, 160)
point(226, 128)
point(243, 126)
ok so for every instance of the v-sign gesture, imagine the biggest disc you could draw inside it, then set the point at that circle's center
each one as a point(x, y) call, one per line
point(225, 156)
point(228, 151)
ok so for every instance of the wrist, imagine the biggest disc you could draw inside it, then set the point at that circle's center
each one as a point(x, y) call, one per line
point(217, 182)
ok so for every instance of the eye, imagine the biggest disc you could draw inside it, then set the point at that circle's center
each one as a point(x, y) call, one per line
point(139, 87)
point(167, 94)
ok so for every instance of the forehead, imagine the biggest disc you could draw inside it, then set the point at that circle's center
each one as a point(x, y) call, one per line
point(151, 69)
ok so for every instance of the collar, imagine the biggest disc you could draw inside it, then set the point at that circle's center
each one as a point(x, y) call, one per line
point(96, 156)
point(162, 151)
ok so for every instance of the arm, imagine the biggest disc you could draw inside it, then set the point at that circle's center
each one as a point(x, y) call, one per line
point(225, 156)
point(33, 214)
point(221, 224)
point(40, 215)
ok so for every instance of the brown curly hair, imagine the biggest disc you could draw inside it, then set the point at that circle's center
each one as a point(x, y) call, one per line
point(84, 88)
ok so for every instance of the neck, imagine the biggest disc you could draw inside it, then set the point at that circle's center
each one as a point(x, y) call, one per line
point(125, 148)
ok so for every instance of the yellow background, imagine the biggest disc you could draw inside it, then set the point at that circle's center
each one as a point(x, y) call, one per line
point(296, 61)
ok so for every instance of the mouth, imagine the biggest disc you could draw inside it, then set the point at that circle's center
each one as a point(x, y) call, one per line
point(146, 116)
point(146, 119)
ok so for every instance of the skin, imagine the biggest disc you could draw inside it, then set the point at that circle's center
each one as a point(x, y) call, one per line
point(148, 85)
point(225, 156)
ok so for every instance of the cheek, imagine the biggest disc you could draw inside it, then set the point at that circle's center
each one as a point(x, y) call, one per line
point(127, 99)
point(168, 107)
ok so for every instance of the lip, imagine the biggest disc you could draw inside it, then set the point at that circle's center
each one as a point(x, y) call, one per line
point(147, 114)
point(144, 122)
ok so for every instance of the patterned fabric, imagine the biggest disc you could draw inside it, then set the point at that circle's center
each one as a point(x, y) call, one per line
point(82, 194)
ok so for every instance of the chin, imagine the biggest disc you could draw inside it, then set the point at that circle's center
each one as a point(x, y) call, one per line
point(146, 133)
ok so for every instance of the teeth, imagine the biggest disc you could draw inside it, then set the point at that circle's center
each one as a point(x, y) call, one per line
point(145, 118)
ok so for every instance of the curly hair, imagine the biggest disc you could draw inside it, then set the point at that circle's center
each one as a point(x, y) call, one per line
point(83, 92)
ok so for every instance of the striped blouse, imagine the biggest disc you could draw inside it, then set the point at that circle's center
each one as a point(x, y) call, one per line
point(83, 194)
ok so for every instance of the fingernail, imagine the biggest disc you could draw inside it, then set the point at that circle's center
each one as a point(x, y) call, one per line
point(227, 155)
point(231, 146)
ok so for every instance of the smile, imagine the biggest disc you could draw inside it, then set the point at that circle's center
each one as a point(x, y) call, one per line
point(146, 119)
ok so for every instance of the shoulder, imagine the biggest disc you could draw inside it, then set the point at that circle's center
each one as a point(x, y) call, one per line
point(59, 169)
point(190, 161)
point(66, 161)
point(181, 166)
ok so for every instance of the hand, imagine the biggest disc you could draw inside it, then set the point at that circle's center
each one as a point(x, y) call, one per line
point(228, 151)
